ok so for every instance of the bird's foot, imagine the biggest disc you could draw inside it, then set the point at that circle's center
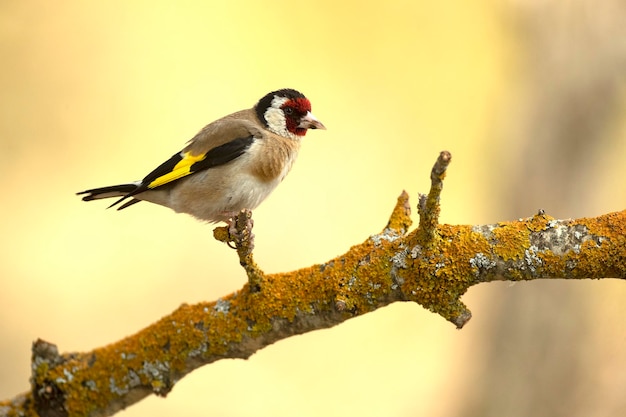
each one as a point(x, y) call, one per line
point(238, 235)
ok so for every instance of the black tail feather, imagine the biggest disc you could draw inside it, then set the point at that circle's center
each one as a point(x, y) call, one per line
point(123, 191)
point(114, 190)
point(128, 203)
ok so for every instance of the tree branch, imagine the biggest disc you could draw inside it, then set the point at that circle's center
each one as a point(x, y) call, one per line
point(433, 266)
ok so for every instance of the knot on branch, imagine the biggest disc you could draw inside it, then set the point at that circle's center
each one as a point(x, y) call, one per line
point(49, 398)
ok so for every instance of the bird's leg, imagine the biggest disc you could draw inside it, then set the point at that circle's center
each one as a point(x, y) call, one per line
point(239, 233)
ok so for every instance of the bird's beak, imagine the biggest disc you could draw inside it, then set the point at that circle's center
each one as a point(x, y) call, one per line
point(310, 122)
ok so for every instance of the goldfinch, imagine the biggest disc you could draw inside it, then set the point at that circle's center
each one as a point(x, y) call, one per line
point(232, 164)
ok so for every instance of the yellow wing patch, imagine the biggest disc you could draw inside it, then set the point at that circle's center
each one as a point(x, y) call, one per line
point(181, 169)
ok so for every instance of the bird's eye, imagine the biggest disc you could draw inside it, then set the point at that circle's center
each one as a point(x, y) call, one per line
point(288, 110)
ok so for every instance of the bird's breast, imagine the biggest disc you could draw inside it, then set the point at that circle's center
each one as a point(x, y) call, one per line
point(273, 157)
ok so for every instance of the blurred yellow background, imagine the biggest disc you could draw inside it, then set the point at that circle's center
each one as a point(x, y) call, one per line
point(98, 93)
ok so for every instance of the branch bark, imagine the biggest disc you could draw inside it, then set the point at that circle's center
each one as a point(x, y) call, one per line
point(433, 266)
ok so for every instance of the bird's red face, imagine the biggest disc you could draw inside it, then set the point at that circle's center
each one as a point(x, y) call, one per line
point(295, 109)
point(298, 117)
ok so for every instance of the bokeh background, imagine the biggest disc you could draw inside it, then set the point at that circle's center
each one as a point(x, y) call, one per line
point(528, 95)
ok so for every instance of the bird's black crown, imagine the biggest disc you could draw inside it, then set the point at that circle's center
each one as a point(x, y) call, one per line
point(266, 101)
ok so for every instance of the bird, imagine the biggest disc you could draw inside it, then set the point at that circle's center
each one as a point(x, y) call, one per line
point(231, 164)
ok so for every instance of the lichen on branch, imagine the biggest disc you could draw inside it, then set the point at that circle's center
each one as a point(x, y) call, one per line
point(433, 265)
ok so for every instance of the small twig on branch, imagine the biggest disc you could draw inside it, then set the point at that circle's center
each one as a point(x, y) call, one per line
point(432, 266)
point(400, 219)
point(428, 206)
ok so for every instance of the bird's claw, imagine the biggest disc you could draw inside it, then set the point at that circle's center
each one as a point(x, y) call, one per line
point(240, 232)
point(238, 235)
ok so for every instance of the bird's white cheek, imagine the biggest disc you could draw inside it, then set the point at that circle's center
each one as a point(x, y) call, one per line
point(276, 121)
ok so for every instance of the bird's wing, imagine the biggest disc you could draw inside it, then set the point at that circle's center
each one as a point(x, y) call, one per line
point(216, 144)
point(186, 163)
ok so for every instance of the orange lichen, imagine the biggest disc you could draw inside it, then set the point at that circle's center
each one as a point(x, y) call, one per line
point(387, 267)
point(538, 222)
point(610, 232)
point(433, 266)
point(510, 240)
